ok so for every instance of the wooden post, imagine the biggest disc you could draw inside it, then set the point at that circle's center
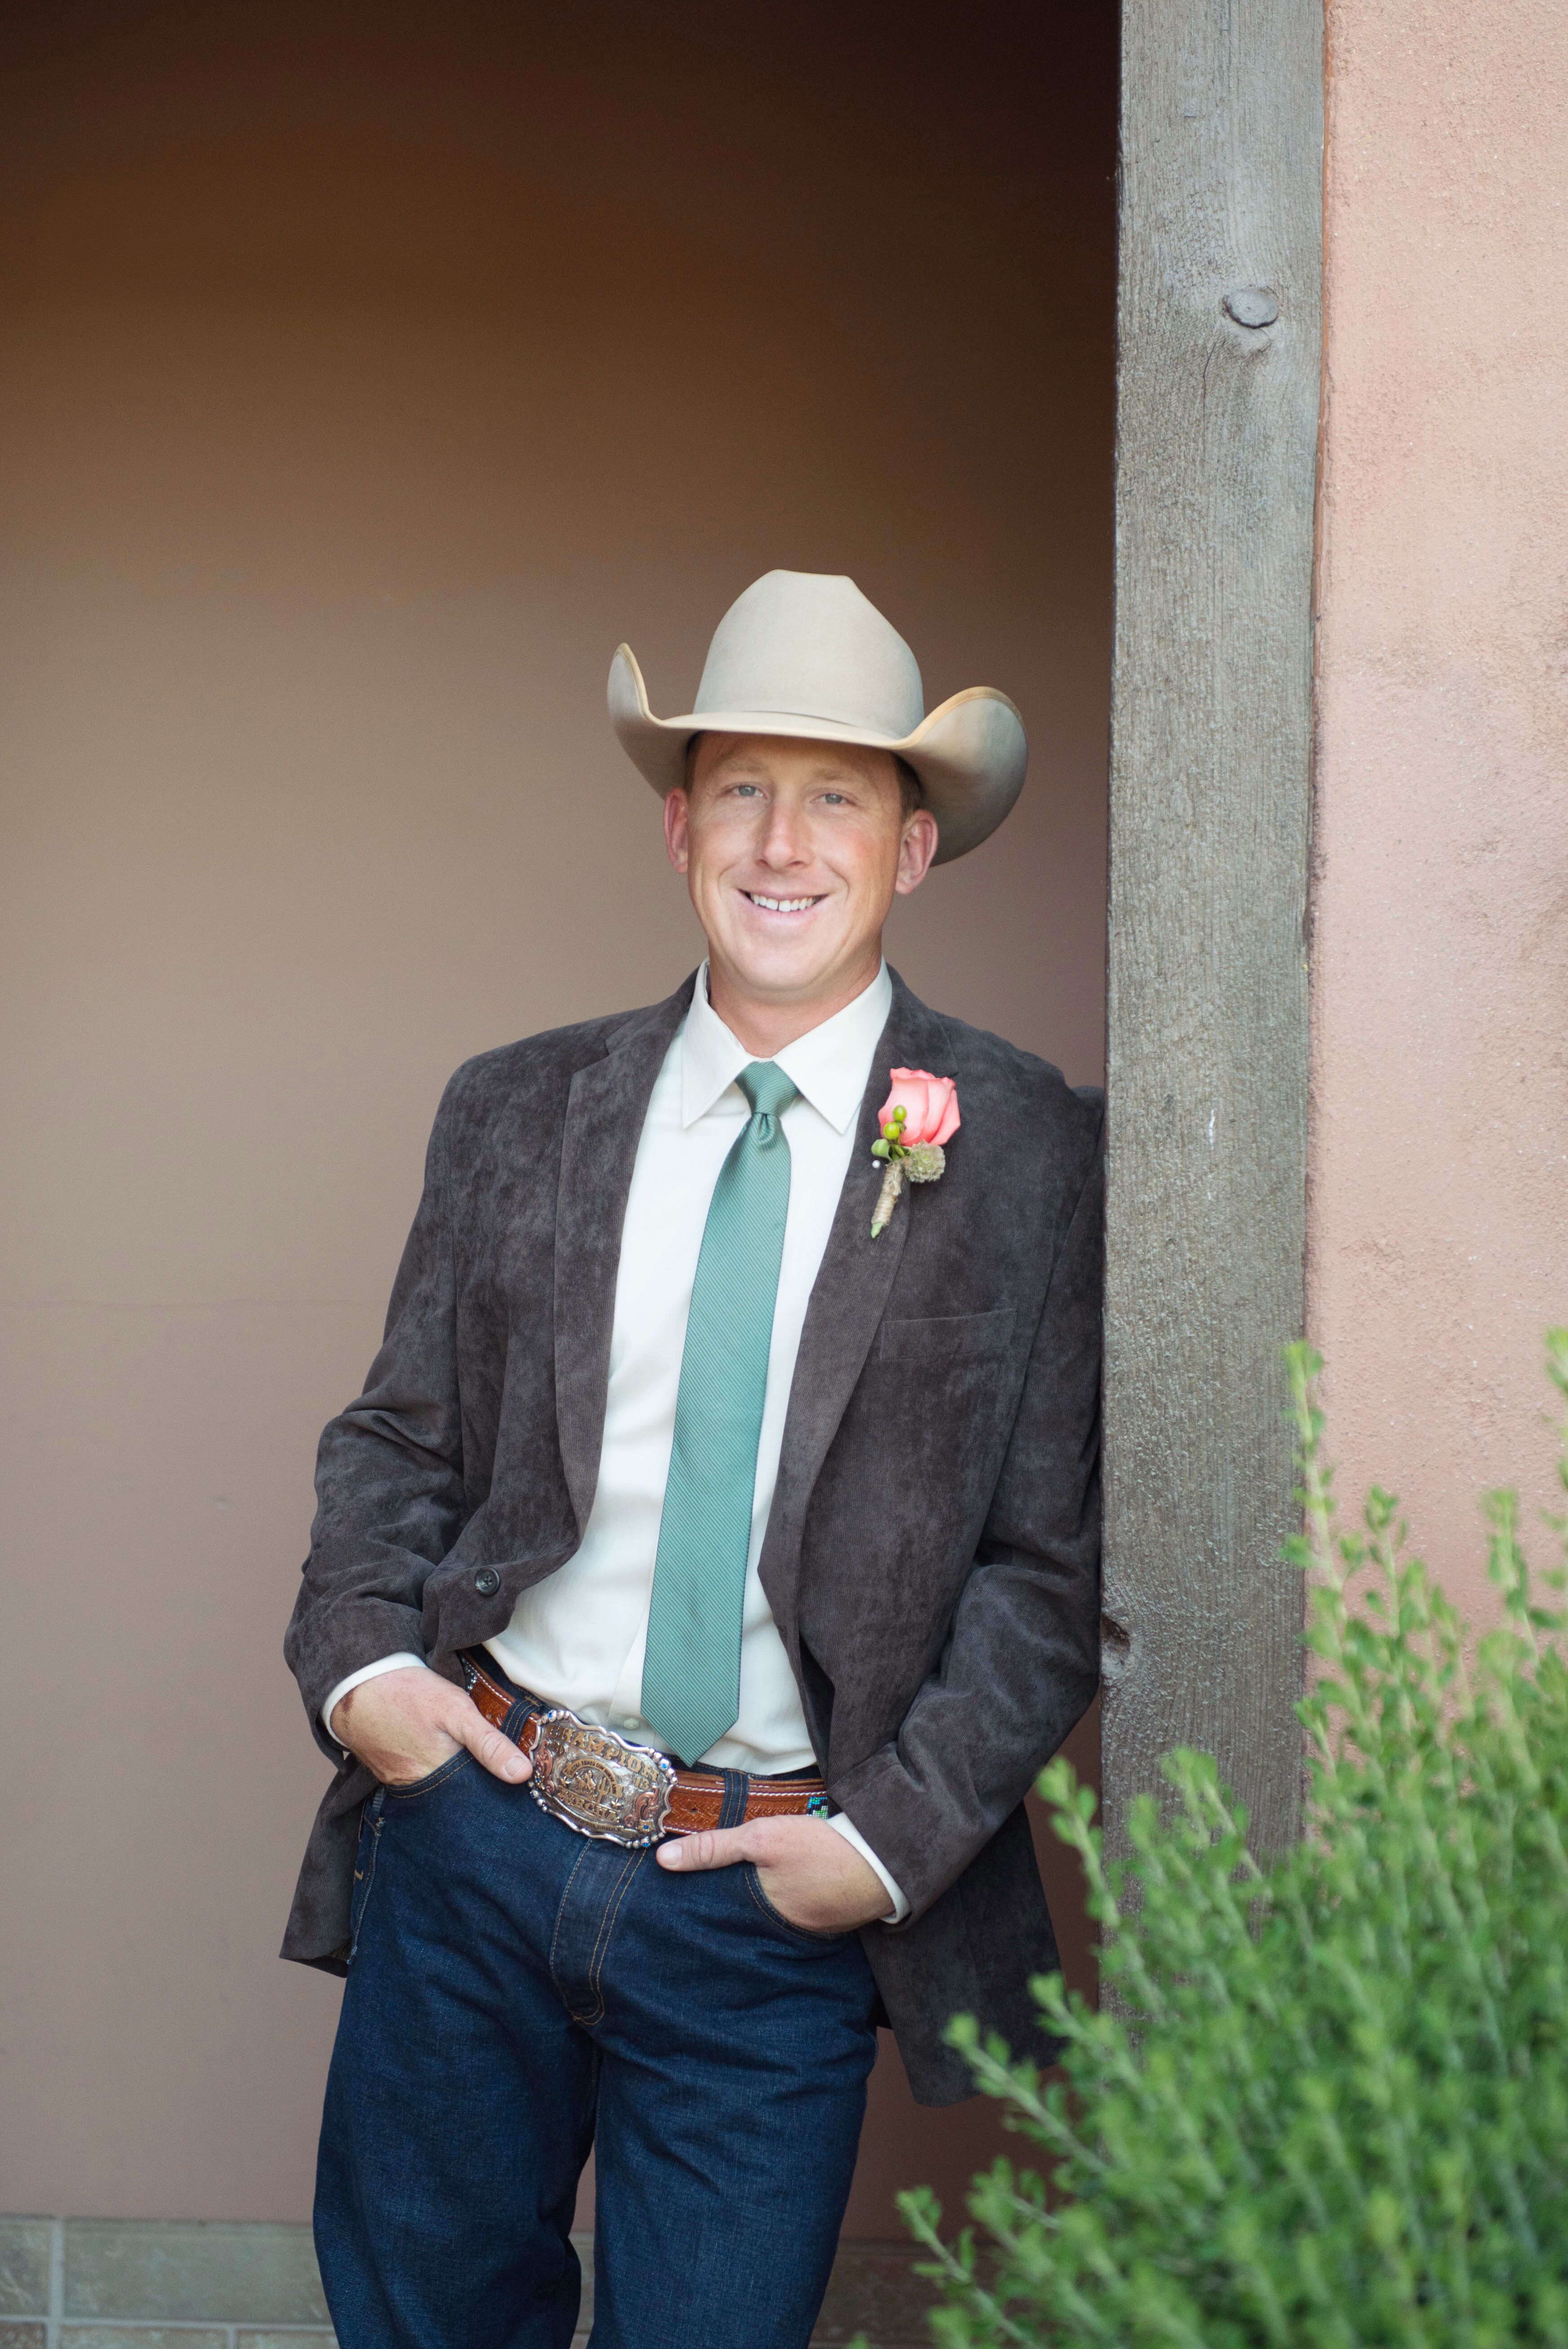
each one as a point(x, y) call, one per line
point(1211, 706)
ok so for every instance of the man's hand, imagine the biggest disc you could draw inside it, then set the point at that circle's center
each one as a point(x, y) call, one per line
point(811, 1876)
point(404, 1725)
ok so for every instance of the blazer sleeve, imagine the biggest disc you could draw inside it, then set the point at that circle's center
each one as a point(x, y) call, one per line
point(388, 1475)
point(1021, 1660)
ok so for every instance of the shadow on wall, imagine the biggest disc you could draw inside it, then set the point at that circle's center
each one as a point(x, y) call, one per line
point(367, 380)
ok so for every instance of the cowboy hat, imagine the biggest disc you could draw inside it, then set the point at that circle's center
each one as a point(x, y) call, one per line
point(805, 654)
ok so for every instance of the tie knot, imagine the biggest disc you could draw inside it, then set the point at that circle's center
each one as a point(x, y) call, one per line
point(767, 1088)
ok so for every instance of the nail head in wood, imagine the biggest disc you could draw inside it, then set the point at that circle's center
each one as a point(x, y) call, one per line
point(1250, 305)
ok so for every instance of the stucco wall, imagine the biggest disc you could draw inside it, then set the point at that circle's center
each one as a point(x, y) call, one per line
point(367, 376)
point(1440, 1113)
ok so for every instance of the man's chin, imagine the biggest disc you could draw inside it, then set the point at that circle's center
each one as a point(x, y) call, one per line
point(790, 971)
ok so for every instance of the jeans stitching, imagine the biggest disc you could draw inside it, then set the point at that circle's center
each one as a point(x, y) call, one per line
point(437, 1778)
point(561, 1989)
point(801, 1933)
point(607, 1926)
point(733, 1798)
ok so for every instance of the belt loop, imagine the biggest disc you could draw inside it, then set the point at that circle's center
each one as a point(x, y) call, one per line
point(732, 1802)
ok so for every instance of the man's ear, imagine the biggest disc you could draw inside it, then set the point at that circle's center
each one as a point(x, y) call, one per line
point(916, 850)
point(677, 828)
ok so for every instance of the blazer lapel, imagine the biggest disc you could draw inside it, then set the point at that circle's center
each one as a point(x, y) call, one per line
point(847, 1301)
point(604, 1111)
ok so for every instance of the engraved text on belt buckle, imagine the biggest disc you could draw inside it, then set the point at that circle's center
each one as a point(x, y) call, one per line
point(599, 1784)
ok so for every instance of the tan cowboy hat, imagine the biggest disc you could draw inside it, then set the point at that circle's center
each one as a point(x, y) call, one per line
point(804, 654)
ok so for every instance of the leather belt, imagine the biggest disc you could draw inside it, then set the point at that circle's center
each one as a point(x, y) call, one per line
point(599, 1784)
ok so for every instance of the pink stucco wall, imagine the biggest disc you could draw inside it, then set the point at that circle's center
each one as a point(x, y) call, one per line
point(1438, 1176)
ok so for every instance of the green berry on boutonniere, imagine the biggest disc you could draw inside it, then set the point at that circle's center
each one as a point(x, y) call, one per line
point(919, 1116)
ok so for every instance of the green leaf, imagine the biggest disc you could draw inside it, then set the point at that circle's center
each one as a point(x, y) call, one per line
point(1330, 2109)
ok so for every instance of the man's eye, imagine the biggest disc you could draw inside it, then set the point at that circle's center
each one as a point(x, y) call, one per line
point(745, 791)
point(836, 799)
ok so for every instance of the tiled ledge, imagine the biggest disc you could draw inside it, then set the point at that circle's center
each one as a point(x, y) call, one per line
point(155, 2283)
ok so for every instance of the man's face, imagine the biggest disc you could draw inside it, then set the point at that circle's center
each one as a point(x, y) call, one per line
point(794, 852)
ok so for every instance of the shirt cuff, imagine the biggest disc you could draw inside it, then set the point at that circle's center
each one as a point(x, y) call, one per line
point(369, 1672)
point(851, 1833)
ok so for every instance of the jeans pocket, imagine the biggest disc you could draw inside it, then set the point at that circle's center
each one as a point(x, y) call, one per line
point(431, 1779)
point(777, 1915)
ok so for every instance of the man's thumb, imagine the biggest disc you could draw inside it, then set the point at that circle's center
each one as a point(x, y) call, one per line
point(499, 1755)
point(711, 1848)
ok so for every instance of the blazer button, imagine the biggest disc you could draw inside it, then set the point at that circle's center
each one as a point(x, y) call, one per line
point(487, 1582)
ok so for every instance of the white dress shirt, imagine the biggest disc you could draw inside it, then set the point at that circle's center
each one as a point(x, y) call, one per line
point(577, 1638)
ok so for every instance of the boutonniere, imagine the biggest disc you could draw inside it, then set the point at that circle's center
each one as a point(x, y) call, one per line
point(918, 1117)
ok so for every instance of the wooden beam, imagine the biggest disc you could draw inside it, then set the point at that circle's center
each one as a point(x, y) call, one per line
point(1210, 767)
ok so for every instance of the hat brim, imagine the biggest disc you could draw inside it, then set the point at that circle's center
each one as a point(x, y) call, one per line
point(971, 755)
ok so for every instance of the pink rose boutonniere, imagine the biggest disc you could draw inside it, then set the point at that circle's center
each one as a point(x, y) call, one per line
point(919, 1116)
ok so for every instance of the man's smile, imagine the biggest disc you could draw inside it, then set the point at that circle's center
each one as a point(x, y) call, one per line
point(780, 905)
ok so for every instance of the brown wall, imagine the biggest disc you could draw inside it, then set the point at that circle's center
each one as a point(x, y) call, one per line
point(367, 376)
point(1439, 1244)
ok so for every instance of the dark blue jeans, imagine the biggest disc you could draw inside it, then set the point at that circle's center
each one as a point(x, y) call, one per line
point(518, 1994)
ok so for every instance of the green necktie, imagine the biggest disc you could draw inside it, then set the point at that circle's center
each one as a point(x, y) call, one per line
point(692, 1670)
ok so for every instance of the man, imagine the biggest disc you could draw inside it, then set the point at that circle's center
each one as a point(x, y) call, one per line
point(711, 1562)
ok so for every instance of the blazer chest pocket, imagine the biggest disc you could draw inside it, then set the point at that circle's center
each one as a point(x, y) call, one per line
point(942, 1341)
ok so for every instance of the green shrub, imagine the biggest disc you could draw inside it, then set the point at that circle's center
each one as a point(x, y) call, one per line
point(1332, 2107)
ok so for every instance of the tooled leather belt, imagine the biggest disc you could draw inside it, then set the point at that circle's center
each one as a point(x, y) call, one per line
point(599, 1784)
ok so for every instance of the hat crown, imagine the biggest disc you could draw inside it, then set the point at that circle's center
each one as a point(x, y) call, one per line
point(807, 643)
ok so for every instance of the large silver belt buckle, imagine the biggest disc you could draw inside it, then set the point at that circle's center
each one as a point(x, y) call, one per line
point(599, 1784)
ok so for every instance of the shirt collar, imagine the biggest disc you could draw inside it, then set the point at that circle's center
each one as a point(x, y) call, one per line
point(830, 1066)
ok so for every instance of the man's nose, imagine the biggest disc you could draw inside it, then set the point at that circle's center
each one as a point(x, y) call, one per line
point(782, 842)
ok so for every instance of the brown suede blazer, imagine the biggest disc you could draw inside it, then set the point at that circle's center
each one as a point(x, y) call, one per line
point(931, 1559)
